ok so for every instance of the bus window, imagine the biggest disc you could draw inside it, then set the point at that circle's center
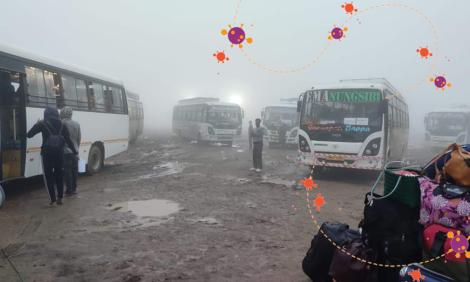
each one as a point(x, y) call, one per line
point(82, 96)
point(108, 99)
point(117, 100)
point(91, 96)
point(52, 89)
point(70, 91)
point(36, 87)
point(98, 96)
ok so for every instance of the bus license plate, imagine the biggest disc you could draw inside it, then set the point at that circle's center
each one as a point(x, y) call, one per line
point(335, 158)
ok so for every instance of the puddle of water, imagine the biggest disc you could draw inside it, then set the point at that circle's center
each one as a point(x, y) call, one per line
point(279, 181)
point(148, 208)
point(206, 220)
point(161, 170)
point(150, 153)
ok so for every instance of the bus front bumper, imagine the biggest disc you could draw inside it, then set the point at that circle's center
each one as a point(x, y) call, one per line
point(221, 138)
point(274, 138)
point(342, 161)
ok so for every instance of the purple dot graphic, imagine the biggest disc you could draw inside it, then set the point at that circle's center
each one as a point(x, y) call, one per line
point(236, 35)
point(440, 81)
point(459, 244)
point(337, 33)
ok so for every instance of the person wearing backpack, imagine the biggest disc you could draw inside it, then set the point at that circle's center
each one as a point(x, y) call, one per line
point(71, 160)
point(54, 137)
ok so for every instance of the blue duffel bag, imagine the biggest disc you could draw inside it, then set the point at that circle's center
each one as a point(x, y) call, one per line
point(417, 272)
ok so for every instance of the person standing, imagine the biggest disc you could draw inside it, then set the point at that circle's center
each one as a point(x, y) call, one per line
point(250, 137)
point(257, 136)
point(282, 134)
point(54, 137)
point(70, 159)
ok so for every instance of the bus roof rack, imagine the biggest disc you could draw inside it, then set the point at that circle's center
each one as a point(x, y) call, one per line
point(460, 106)
point(289, 100)
point(198, 100)
point(132, 95)
point(373, 80)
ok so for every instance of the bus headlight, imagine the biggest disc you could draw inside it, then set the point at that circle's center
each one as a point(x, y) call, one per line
point(303, 145)
point(210, 130)
point(293, 133)
point(372, 148)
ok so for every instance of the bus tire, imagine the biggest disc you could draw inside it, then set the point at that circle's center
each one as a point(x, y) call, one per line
point(2, 196)
point(95, 159)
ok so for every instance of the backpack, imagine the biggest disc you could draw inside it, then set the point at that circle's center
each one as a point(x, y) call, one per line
point(54, 145)
point(316, 263)
point(345, 268)
point(392, 230)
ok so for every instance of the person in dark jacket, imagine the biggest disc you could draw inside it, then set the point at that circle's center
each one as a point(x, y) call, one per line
point(257, 135)
point(71, 160)
point(52, 160)
point(282, 134)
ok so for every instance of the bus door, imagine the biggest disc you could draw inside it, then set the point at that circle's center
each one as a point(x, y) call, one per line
point(12, 124)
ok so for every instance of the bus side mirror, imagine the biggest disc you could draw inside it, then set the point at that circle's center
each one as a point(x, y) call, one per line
point(299, 106)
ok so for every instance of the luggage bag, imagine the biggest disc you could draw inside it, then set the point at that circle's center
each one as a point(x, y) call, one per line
point(421, 273)
point(316, 263)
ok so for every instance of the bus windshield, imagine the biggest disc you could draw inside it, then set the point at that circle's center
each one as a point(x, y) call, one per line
point(275, 116)
point(224, 116)
point(342, 115)
point(446, 124)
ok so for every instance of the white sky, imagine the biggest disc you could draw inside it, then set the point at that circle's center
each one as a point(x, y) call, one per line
point(163, 49)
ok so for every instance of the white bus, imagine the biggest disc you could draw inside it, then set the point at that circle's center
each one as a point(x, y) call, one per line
point(28, 84)
point(359, 124)
point(444, 127)
point(281, 118)
point(136, 116)
point(207, 120)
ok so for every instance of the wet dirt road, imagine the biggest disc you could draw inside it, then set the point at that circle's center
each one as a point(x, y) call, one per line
point(169, 210)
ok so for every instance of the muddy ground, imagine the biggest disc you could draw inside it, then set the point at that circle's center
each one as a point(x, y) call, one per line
point(170, 210)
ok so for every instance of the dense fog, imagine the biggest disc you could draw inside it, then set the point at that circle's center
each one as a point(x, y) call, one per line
point(163, 50)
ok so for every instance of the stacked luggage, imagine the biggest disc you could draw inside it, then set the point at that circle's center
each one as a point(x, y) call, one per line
point(424, 215)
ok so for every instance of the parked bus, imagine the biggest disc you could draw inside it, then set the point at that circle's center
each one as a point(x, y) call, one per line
point(281, 118)
point(136, 116)
point(28, 84)
point(444, 127)
point(207, 120)
point(359, 124)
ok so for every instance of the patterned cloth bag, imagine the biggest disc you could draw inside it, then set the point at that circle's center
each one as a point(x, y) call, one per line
point(436, 209)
